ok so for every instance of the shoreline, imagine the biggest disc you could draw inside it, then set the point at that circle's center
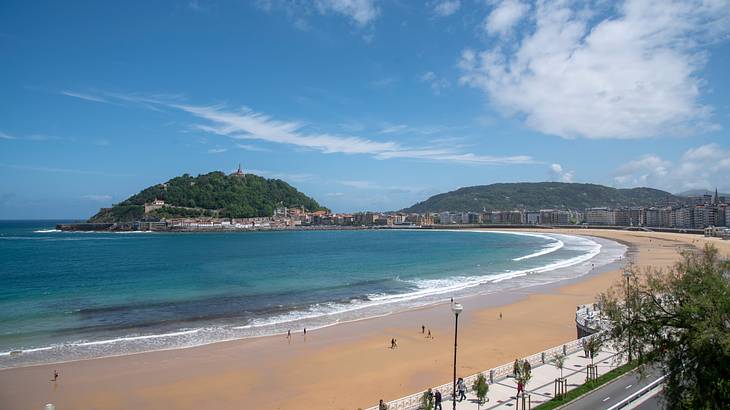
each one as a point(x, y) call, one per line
point(344, 366)
point(523, 282)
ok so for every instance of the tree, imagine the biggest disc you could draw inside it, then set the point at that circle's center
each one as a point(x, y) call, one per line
point(594, 345)
point(481, 388)
point(427, 400)
point(559, 360)
point(679, 320)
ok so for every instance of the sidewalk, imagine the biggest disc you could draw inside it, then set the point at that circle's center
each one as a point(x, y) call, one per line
point(502, 392)
point(540, 388)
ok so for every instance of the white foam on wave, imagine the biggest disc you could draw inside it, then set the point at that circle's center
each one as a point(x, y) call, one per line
point(47, 231)
point(549, 248)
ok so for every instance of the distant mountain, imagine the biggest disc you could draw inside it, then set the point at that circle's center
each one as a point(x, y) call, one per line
point(699, 192)
point(542, 195)
point(213, 194)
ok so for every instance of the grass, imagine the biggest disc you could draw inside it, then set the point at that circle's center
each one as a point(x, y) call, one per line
point(585, 388)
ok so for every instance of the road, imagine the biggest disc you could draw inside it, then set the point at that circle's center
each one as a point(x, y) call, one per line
point(611, 393)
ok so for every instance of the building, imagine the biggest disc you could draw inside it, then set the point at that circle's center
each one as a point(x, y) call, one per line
point(600, 216)
point(154, 205)
point(239, 172)
point(683, 217)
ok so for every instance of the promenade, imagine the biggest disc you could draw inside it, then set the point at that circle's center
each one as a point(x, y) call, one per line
point(540, 388)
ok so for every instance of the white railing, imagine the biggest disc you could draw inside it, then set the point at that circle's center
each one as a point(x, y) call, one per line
point(413, 401)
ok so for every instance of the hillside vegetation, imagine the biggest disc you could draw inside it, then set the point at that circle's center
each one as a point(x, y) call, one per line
point(542, 195)
point(213, 194)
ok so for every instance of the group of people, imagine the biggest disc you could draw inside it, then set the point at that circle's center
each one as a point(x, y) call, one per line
point(435, 398)
point(393, 343)
point(423, 331)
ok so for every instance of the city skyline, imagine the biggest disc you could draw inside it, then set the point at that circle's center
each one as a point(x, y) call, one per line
point(363, 105)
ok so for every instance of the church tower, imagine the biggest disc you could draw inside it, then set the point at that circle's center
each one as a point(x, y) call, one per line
point(239, 172)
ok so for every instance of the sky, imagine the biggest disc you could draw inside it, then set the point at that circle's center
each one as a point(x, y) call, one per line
point(361, 104)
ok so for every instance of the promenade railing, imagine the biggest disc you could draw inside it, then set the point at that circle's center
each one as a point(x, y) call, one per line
point(413, 401)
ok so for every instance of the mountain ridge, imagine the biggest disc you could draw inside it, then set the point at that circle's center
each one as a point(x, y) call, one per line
point(542, 195)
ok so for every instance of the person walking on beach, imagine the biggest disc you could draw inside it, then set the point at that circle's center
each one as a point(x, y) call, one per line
point(429, 334)
point(500, 315)
point(288, 334)
point(437, 401)
point(55, 375)
point(423, 329)
point(305, 331)
point(461, 388)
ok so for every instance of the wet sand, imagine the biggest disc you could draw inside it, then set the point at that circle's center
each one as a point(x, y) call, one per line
point(347, 366)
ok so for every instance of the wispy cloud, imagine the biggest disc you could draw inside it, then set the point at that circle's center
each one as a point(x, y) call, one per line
point(98, 198)
point(286, 176)
point(4, 136)
point(360, 12)
point(445, 8)
point(83, 96)
point(61, 170)
point(252, 148)
point(558, 173)
point(247, 124)
point(217, 150)
point(437, 84)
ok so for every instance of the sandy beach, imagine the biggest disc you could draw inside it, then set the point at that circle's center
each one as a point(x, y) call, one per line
point(347, 366)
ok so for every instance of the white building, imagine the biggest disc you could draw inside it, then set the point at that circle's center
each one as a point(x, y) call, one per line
point(600, 216)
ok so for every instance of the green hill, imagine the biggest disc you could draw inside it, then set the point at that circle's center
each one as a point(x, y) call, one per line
point(542, 195)
point(213, 194)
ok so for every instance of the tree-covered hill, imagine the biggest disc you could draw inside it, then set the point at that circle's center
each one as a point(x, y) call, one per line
point(213, 194)
point(542, 195)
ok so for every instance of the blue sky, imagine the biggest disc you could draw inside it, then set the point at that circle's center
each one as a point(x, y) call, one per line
point(363, 104)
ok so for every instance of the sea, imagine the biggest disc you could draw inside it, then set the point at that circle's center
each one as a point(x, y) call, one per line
point(77, 295)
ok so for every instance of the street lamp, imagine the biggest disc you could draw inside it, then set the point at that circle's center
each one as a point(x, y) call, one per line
point(456, 308)
point(627, 275)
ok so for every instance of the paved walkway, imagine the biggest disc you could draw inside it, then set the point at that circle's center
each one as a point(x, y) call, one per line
point(540, 388)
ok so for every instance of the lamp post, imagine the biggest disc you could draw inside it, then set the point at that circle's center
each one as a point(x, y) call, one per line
point(627, 275)
point(456, 308)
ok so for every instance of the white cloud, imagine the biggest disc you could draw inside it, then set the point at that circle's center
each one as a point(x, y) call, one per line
point(437, 83)
point(558, 173)
point(446, 8)
point(4, 136)
point(361, 11)
point(217, 150)
point(98, 198)
point(504, 16)
point(704, 167)
point(575, 72)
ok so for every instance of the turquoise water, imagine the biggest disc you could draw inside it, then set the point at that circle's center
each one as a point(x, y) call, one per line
point(73, 295)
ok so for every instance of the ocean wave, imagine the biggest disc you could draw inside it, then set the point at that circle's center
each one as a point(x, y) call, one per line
point(549, 248)
point(47, 231)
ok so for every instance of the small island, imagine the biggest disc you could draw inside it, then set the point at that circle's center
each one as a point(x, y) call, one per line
point(209, 201)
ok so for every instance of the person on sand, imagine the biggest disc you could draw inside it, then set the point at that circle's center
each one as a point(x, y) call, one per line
point(305, 331)
point(500, 315)
point(429, 334)
point(288, 333)
point(423, 329)
point(437, 401)
point(392, 344)
point(382, 405)
point(55, 375)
